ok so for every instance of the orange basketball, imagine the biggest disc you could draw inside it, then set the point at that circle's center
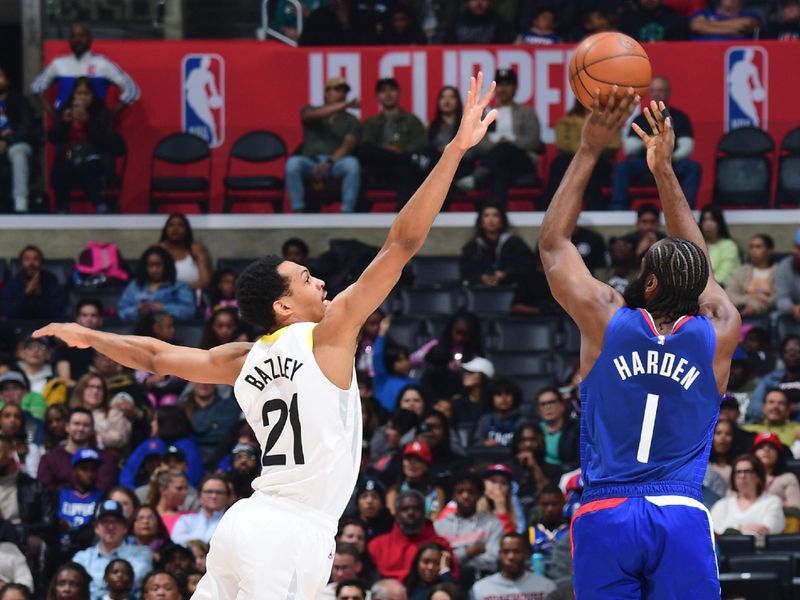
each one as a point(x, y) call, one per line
point(604, 60)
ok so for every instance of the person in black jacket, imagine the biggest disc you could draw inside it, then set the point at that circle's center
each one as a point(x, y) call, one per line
point(33, 515)
point(34, 292)
point(495, 256)
point(16, 135)
point(479, 24)
point(87, 144)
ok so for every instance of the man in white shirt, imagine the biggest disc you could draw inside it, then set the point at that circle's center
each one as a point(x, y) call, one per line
point(510, 151)
point(214, 499)
point(81, 62)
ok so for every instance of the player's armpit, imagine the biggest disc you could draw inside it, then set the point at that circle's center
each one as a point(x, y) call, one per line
point(220, 365)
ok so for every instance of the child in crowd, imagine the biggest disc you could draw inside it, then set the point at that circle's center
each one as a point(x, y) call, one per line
point(223, 291)
point(119, 579)
point(552, 525)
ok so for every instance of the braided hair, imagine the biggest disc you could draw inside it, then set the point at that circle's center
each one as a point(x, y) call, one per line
point(681, 268)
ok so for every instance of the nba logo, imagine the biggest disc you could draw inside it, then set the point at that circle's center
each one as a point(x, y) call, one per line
point(745, 87)
point(203, 97)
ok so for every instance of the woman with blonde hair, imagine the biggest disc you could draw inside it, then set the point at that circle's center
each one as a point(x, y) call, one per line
point(168, 490)
point(112, 427)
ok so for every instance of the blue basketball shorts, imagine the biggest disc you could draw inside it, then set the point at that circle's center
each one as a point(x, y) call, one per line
point(655, 547)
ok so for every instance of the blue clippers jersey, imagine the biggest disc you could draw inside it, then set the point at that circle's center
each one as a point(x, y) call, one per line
point(648, 409)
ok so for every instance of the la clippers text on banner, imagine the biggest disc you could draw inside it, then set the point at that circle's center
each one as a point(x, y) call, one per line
point(220, 90)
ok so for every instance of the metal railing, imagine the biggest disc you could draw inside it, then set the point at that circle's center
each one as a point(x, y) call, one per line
point(264, 32)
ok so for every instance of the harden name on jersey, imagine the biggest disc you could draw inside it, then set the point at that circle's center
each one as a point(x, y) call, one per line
point(665, 364)
point(281, 366)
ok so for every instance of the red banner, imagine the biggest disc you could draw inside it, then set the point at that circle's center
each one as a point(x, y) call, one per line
point(223, 89)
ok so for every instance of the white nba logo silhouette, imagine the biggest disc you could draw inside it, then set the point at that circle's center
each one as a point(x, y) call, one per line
point(745, 83)
point(202, 95)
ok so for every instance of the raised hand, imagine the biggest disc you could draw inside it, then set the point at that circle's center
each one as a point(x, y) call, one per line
point(71, 333)
point(660, 143)
point(605, 122)
point(473, 124)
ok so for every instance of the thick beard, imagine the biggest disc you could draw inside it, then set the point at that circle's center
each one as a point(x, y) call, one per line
point(634, 293)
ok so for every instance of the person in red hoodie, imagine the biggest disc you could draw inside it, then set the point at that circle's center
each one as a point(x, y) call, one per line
point(393, 552)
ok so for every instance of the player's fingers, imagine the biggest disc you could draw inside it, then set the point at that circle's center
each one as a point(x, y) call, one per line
point(640, 132)
point(659, 117)
point(478, 87)
point(612, 99)
point(488, 96)
point(596, 101)
point(649, 116)
point(490, 117)
point(470, 92)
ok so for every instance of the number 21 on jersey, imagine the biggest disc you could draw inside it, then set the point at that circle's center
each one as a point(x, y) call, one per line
point(648, 425)
point(279, 405)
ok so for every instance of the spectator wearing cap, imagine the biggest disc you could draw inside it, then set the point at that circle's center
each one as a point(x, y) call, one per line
point(14, 390)
point(393, 552)
point(496, 428)
point(787, 290)
point(561, 433)
point(499, 498)
point(339, 23)
point(513, 145)
point(479, 24)
point(34, 292)
point(786, 379)
point(245, 467)
point(27, 505)
point(111, 528)
point(751, 288)
point(330, 135)
point(471, 402)
point(371, 507)
point(173, 428)
point(77, 503)
point(214, 500)
point(416, 475)
point(55, 468)
point(474, 535)
point(781, 482)
point(211, 413)
point(391, 144)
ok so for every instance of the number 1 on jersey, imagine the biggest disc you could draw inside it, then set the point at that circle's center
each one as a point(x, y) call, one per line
point(648, 425)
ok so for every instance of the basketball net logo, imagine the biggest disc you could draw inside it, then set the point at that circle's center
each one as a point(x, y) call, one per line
point(203, 97)
point(746, 80)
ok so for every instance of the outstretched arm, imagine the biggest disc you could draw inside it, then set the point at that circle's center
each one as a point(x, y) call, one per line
point(408, 233)
point(218, 365)
point(589, 302)
point(714, 302)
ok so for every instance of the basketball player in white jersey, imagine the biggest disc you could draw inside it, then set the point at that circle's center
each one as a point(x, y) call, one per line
point(297, 389)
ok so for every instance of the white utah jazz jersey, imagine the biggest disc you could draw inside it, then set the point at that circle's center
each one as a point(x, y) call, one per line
point(309, 429)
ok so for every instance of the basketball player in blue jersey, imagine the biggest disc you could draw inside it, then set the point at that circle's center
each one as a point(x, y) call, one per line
point(297, 389)
point(654, 364)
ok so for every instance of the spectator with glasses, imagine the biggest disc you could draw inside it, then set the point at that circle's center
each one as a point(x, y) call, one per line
point(751, 510)
point(214, 500)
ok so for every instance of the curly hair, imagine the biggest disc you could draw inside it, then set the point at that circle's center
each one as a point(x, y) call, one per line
point(257, 287)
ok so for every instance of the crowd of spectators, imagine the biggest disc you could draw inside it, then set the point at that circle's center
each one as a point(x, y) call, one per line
point(113, 480)
point(393, 150)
